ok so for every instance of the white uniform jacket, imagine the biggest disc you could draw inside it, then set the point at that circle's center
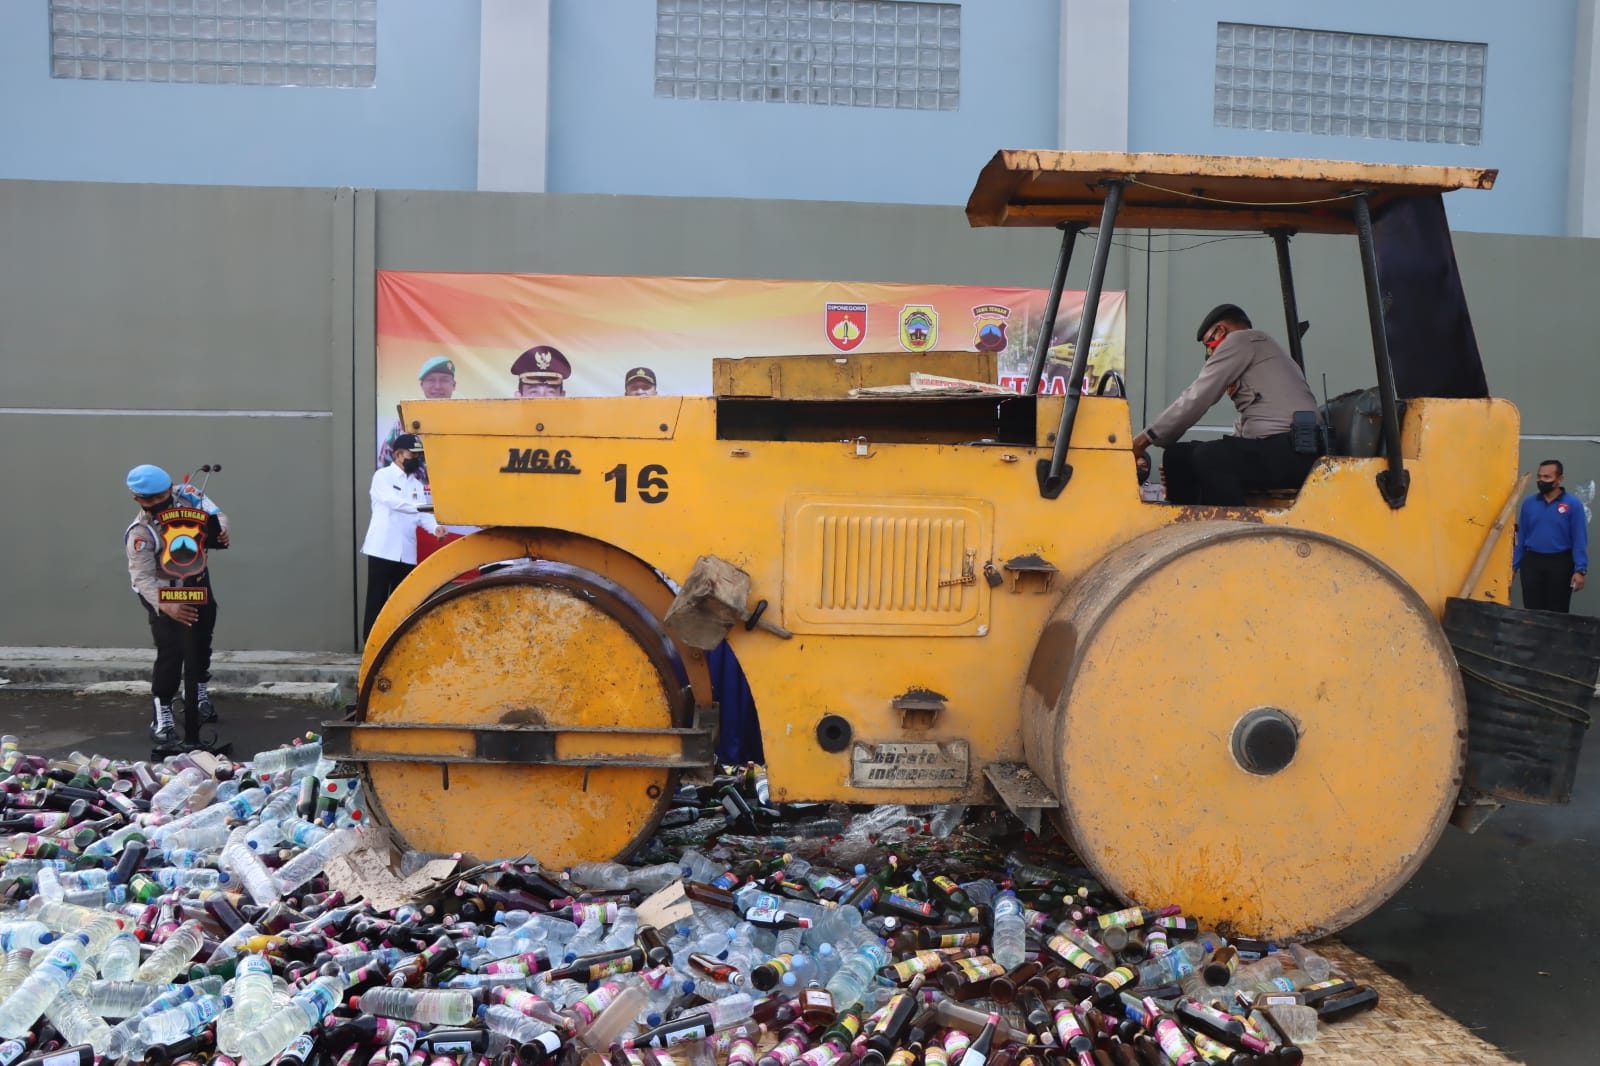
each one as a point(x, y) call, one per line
point(392, 533)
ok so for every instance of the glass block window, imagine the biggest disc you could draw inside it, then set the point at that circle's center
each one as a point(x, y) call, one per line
point(1349, 84)
point(320, 43)
point(835, 52)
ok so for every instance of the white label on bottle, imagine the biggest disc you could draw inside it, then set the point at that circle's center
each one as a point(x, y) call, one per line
point(69, 1057)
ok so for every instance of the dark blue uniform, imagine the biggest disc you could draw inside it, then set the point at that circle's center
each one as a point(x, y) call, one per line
point(1552, 545)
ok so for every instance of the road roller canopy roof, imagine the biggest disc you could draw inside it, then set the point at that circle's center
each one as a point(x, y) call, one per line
point(1161, 191)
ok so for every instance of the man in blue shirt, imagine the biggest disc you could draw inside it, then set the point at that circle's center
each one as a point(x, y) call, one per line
point(1552, 551)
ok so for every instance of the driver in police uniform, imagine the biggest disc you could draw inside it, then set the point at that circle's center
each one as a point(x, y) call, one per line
point(154, 492)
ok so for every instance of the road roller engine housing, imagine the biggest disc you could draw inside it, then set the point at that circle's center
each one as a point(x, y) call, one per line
point(1252, 712)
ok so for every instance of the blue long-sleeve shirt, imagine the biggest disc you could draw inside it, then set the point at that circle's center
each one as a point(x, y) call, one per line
point(1552, 526)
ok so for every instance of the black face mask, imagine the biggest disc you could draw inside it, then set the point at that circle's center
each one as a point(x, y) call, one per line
point(1545, 487)
point(158, 506)
point(412, 465)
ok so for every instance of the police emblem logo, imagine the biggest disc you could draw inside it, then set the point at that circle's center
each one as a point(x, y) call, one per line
point(182, 552)
point(989, 320)
point(919, 327)
point(846, 325)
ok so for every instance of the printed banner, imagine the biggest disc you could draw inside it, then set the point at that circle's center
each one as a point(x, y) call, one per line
point(482, 336)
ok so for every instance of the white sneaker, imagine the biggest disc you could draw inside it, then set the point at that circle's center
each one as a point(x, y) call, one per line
point(163, 730)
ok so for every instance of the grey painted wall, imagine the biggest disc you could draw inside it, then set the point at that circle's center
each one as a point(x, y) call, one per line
point(182, 325)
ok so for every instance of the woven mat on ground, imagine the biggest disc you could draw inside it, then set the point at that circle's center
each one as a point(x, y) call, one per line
point(1404, 1029)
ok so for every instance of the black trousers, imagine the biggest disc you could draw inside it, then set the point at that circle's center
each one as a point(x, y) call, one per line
point(1547, 581)
point(383, 577)
point(167, 678)
point(1221, 472)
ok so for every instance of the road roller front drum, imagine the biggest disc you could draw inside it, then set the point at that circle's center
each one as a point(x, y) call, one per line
point(1261, 724)
point(537, 709)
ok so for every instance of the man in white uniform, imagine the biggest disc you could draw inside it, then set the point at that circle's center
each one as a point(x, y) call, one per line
point(391, 544)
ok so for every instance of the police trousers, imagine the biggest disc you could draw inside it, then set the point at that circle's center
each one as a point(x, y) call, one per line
point(1221, 472)
point(171, 637)
point(1546, 581)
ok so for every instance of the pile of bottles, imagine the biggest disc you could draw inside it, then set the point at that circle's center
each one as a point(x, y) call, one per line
point(178, 912)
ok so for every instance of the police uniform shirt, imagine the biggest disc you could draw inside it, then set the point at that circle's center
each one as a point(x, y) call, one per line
point(141, 543)
point(392, 533)
point(1266, 386)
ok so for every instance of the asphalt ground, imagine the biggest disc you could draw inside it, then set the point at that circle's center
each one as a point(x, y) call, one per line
point(1497, 929)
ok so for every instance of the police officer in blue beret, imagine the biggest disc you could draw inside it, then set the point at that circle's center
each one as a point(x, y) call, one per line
point(154, 553)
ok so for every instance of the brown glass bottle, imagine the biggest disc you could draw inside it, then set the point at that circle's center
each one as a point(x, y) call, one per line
point(970, 978)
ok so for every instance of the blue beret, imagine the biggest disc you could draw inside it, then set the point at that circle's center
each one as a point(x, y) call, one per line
point(439, 363)
point(147, 480)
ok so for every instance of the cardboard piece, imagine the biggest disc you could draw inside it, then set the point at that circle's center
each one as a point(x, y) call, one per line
point(368, 872)
point(665, 907)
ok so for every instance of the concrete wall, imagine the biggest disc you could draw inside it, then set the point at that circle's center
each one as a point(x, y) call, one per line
point(609, 133)
point(1528, 94)
point(186, 325)
point(416, 128)
point(177, 326)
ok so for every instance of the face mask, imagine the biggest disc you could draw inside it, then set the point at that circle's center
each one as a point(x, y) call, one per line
point(159, 505)
point(1546, 487)
point(412, 465)
point(1211, 345)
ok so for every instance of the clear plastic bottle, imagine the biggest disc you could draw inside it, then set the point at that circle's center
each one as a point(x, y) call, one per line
point(648, 879)
point(308, 1008)
point(119, 998)
point(108, 846)
point(246, 865)
point(1010, 931)
point(252, 990)
point(429, 1006)
point(120, 959)
point(617, 1016)
point(172, 795)
point(48, 883)
point(606, 876)
point(699, 868)
point(16, 969)
point(513, 1025)
point(265, 834)
point(77, 1023)
point(306, 865)
point(293, 757)
point(850, 984)
point(26, 934)
point(301, 833)
point(172, 877)
point(40, 988)
point(173, 956)
point(200, 838)
point(170, 1026)
point(126, 1032)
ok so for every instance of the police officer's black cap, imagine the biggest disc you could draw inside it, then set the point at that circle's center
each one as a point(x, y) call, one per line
point(1217, 314)
point(409, 442)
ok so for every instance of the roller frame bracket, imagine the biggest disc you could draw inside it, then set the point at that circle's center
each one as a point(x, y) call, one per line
point(1394, 490)
point(531, 744)
point(1022, 791)
point(1051, 487)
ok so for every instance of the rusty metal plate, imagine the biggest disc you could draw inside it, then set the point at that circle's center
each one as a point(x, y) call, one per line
point(910, 764)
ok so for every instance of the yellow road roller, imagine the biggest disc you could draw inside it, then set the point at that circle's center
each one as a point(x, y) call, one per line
point(965, 597)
